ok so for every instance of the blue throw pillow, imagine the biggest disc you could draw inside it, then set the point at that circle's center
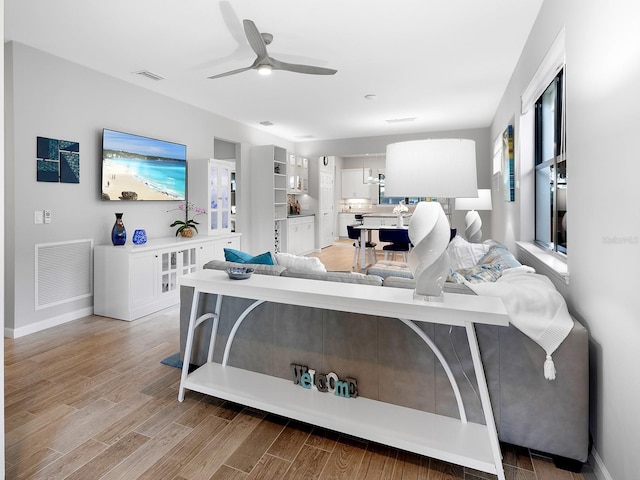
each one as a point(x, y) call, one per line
point(231, 255)
point(499, 254)
point(263, 259)
point(236, 256)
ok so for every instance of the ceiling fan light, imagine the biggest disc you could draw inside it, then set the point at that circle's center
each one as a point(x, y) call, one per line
point(264, 69)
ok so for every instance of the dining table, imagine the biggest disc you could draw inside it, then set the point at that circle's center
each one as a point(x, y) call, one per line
point(375, 223)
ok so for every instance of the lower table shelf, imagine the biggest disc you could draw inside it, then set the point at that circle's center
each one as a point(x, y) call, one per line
point(420, 432)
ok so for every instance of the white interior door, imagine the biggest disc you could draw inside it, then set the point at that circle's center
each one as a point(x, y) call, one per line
point(327, 208)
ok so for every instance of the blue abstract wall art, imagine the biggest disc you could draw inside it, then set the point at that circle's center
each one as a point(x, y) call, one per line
point(58, 160)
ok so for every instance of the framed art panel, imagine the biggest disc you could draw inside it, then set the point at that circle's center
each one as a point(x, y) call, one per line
point(57, 160)
point(508, 165)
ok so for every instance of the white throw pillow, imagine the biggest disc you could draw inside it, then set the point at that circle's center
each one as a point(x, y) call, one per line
point(465, 254)
point(296, 262)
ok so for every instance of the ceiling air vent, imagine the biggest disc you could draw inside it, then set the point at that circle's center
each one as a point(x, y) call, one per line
point(401, 120)
point(266, 123)
point(149, 75)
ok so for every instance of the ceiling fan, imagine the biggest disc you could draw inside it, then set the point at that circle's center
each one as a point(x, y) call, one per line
point(263, 62)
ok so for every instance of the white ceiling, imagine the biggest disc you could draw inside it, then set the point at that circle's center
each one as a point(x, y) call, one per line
point(444, 62)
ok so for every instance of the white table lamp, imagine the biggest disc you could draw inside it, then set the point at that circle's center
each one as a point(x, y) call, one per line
point(473, 222)
point(430, 168)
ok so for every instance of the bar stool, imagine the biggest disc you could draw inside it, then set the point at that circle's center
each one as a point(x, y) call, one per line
point(398, 242)
point(370, 247)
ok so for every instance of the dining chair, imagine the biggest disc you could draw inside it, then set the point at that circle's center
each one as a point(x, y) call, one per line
point(354, 234)
point(397, 240)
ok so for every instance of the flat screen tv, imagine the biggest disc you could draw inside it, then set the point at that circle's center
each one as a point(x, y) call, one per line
point(141, 168)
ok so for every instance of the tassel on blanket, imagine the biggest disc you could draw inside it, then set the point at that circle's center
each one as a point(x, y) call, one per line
point(549, 369)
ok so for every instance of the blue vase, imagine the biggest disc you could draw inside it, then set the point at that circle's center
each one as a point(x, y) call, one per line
point(139, 237)
point(118, 232)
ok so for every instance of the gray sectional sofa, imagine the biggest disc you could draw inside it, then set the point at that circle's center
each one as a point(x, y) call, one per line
point(391, 363)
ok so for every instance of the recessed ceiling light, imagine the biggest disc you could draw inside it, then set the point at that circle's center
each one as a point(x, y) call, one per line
point(400, 120)
point(149, 75)
point(266, 123)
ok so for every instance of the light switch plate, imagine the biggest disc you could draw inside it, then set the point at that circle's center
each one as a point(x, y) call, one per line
point(47, 216)
point(38, 216)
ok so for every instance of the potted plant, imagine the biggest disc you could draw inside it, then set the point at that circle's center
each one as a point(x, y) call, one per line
point(188, 225)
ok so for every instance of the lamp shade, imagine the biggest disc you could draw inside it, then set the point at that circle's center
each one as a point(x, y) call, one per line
point(431, 168)
point(482, 202)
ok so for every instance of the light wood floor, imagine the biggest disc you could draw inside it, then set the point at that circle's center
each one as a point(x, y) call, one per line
point(339, 256)
point(90, 399)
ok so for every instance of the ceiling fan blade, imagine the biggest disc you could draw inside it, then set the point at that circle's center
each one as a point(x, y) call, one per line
point(294, 67)
point(232, 72)
point(255, 39)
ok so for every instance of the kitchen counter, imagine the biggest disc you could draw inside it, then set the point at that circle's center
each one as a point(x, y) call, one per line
point(296, 215)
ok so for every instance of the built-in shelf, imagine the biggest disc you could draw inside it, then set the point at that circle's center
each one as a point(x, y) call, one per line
point(413, 430)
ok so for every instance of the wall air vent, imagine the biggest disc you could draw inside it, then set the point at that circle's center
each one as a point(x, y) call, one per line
point(64, 272)
point(149, 75)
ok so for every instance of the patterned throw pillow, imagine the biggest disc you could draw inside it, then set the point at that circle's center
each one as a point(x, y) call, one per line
point(477, 274)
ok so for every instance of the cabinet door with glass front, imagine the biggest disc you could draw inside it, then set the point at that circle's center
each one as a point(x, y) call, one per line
point(220, 195)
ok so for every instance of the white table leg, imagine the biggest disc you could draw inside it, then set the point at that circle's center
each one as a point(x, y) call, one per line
point(363, 248)
point(484, 399)
point(193, 324)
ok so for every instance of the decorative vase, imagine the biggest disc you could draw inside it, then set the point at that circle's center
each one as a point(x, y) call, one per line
point(118, 232)
point(400, 222)
point(139, 237)
point(186, 232)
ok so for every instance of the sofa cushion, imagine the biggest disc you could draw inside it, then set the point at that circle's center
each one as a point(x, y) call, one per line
point(258, 268)
point(342, 277)
point(233, 255)
point(500, 255)
point(448, 287)
point(477, 274)
point(465, 254)
point(301, 263)
point(389, 268)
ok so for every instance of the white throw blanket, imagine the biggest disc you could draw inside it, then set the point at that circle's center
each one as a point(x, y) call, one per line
point(535, 306)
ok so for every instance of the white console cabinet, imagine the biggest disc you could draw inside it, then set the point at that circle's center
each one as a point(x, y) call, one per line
point(132, 281)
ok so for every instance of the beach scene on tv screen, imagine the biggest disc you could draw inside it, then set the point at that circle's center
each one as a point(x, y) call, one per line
point(141, 168)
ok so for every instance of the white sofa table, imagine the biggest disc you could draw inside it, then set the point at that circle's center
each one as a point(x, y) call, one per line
point(448, 439)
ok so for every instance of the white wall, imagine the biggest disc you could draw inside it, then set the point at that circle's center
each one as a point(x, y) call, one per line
point(50, 97)
point(2, 257)
point(602, 78)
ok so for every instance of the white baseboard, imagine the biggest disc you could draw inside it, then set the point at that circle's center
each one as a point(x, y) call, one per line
point(599, 469)
point(48, 323)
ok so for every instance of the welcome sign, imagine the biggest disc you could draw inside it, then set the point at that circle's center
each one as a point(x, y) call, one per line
point(324, 382)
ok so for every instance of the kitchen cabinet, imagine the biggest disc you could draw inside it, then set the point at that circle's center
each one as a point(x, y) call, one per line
point(211, 188)
point(268, 197)
point(131, 281)
point(345, 219)
point(297, 174)
point(300, 235)
point(353, 186)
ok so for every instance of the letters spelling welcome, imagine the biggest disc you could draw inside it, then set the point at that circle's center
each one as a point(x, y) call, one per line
point(324, 382)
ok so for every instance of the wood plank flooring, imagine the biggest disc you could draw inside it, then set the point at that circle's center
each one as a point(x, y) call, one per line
point(90, 399)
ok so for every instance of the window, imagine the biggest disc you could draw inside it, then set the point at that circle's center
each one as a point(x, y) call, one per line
point(382, 200)
point(551, 168)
